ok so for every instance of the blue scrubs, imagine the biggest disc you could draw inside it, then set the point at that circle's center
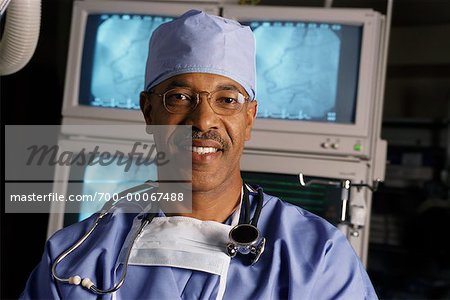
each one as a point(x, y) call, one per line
point(305, 258)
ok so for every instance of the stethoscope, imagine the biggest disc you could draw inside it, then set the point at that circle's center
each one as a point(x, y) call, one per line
point(244, 238)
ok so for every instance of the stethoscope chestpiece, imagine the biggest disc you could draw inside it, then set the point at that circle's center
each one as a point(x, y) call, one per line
point(246, 239)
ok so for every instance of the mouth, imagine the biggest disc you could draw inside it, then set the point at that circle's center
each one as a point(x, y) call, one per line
point(203, 147)
point(202, 150)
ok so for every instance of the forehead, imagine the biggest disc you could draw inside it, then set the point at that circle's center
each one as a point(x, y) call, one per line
point(200, 82)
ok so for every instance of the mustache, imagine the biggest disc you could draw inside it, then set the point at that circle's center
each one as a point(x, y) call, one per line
point(208, 135)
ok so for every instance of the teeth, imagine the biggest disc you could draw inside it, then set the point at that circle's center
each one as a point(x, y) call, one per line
point(203, 150)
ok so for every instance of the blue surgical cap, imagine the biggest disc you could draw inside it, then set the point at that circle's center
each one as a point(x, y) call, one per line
point(203, 43)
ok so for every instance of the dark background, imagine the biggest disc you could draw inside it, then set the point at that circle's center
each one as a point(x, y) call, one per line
point(416, 113)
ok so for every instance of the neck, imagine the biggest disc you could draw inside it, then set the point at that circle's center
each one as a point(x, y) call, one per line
point(217, 204)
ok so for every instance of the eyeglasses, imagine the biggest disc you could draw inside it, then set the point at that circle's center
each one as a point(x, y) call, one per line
point(185, 100)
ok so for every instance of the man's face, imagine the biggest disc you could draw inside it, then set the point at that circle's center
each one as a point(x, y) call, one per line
point(225, 134)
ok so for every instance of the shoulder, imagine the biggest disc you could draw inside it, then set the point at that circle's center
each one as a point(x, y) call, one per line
point(294, 217)
point(297, 230)
point(315, 249)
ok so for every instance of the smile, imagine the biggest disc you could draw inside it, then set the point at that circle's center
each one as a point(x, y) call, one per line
point(202, 150)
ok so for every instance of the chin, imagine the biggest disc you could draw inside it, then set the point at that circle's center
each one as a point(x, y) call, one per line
point(203, 183)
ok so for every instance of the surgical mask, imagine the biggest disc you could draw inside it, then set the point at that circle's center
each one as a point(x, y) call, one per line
point(183, 242)
point(187, 243)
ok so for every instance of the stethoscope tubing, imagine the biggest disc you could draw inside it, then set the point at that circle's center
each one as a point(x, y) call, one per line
point(144, 223)
point(73, 247)
point(87, 283)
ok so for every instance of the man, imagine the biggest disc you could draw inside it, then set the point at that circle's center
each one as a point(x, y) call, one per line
point(201, 72)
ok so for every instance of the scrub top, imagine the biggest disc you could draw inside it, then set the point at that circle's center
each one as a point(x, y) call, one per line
point(305, 257)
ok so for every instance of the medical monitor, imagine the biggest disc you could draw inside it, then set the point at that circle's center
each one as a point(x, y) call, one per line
point(278, 174)
point(317, 78)
point(107, 56)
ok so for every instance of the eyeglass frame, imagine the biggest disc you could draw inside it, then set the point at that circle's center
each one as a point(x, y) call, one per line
point(198, 99)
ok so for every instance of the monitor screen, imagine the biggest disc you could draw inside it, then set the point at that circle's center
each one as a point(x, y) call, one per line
point(114, 55)
point(307, 70)
point(324, 201)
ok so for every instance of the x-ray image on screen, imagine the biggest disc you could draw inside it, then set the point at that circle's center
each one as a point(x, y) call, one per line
point(114, 56)
point(303, 72)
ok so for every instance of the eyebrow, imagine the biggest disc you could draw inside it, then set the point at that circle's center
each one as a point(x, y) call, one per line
point(227, 87)
point(184, 84)
point(175, 84)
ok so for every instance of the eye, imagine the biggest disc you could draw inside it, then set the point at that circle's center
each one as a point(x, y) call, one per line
point(178, 98)
point(228, 103)
point(229, 97)
point(228, 100)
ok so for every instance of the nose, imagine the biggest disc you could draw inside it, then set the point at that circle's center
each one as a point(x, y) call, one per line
point(203, 117)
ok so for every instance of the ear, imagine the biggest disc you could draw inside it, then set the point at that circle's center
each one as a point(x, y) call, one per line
point(146, 107)
point(252, 109)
